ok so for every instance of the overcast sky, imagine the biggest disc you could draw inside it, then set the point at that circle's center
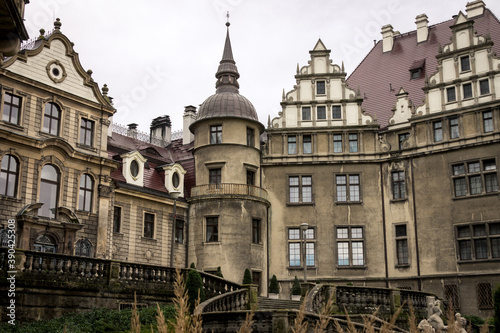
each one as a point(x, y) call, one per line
point(159, 56)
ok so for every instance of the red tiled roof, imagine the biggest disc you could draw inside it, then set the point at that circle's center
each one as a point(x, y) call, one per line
point(154, 179)
point(380, 75)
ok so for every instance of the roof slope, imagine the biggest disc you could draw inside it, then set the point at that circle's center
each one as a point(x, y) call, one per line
point(381, 75)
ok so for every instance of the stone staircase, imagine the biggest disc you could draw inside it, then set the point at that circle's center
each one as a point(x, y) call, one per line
point(277, 304)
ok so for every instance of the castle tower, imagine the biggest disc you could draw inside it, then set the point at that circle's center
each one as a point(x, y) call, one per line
point(228, 213)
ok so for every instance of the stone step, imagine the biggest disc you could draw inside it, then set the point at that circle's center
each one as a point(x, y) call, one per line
point(274, 304)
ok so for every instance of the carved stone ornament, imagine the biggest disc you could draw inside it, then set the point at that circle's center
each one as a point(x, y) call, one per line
point(56, 71)
point(105, 191)
point(384, 145)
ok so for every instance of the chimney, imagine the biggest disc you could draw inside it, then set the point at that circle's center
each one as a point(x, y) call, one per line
point(474, 8)
point(160, 131)
point(188, 118)
point(387, 38)
point(422, 28)
point(132, 130)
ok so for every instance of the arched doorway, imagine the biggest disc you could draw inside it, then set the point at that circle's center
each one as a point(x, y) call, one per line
point(45, 243)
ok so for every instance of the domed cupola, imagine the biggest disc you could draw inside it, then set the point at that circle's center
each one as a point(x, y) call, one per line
point(226, 102)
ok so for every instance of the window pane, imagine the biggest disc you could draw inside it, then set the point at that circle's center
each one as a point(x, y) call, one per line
point(464, 63)
point(465, 250)
point(463, 232)
point(460, 188)
point(400, 231)
point(306, 180)
point(495, 229)
point(353, 143)
point(402, 251)
point(357, 253)
point(310, 254)
point(357, 232)
point(342, 233)
point(343, 253)
point(337, 143)
point(306, 113)
point(450, 93)
point(489, 165)
point(481, 248)
point(321, 112)
point(473, 167)
point(117, 216)
point(294, 194)
point(458, 169)
point(294, 249)
point(484, 87)
point(292, 144)
point(306, 194)
point(476, 186)
point(320, 87)
point(467, 88)
point(438, 131)
point(479, 230)
point(495, 247)
point(341, 193)
point(294, 233)
point(336, 112)
point(307, 144)
point(454, 132)
point(309, 234)
point(353, 192)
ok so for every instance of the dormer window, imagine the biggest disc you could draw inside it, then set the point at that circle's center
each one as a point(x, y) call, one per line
point(416, 74)
point(133, 168)
point(174, 178)
point(417, 69)
point(464, 63)
point(320, 88)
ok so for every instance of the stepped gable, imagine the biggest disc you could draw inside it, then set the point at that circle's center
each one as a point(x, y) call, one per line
point(379, 71)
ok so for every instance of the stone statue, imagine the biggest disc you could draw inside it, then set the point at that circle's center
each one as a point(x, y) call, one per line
point(460, 323)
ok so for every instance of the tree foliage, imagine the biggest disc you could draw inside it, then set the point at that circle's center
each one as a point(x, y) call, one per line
point(194, 284)
point(274, 286)
point(296, 287)
point(247, 277)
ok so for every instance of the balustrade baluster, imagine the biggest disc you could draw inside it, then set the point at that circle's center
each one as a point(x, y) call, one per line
point(45, 265)
point(93, 271)
point(88, 266)
point(58, 265)
point(27, 263)
point(128, 271)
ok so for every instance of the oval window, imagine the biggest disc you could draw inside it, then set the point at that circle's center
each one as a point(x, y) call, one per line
point(134, 168)
point(175, 179)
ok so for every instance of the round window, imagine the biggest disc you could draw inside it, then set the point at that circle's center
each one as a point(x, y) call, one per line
point(55, 71)
point(134, 168)
point(175, 179)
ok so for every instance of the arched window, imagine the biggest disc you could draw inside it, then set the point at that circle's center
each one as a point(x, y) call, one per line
point(8, 175)
point(49, 191)
point(83, 248)
point(51, 119)
point(45, 243)
point(86, 191)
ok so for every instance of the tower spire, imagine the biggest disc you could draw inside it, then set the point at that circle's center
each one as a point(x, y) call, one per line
point(227, 74)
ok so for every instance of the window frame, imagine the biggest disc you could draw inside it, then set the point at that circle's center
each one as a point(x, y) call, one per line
point(467, 243)
point(52, 118)
point(250, 137)
point(87, 130)
point(215, 176)
point(306, 113)
point(488, 125)
point(88, 190)
point(310, 240)
point(256, 231)
point(215, 134)
point(347, 185)
point(350, 240)
point(465, 65)
point(323, 112)
point(117, 219)
point(335, 110)
point(152, 223)
point(212, 222)
point(467, 91)
point(300, 189)
point(461, 176)
point(484, 89)
point(454, 127)
point(11, 107)
point(353, 138)
point(401, 138)
point(307, 147)
point(179, 231)
point(402, 239)
point(321, 85)
point(292, 144)
point(42, 189)
point(451, 95)
point(11, 176)
point(437, 130)
point(336, 142)
point(399, 184)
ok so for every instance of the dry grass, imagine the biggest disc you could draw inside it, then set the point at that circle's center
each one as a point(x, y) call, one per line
point(135, 322)
point(246, 326)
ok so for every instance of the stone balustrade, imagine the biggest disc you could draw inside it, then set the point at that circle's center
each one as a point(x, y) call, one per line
point(232, 301)
point(228, 189)
point(215, 285)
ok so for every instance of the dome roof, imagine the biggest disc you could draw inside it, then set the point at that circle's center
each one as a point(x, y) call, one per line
point(227, 104)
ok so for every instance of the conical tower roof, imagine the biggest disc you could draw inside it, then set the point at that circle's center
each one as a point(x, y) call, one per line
point(227, 102)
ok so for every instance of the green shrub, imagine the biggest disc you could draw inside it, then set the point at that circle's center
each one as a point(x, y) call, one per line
point(478, 321)
point(496, 306)
point(247, 277)
point(296, 287)
point(274, 286)
point(192, 265)
point(219, 272)
point(194, 284)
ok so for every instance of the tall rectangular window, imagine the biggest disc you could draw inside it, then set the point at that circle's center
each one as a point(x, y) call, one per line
point(300, 189)
point(484, 296)
point(9, 175)
point(402, 245)
point(51, 119)
point(348, 188)
point(250, 177)
point(475, 177)
point(306, 113)
point(307, 144)
point(321, 112)
point(295, 247)
point(437, 127)
point(11, 108)
point(117, 219)
point(398, 185)
point(478, 241)
point(353, 143)
point(450, 94)
point(467, 90)
point(320, 88)
point(350, 246)
point(292, 144)
point(149, 225)
point(86, 132)
point(256, 232)
point(215, 176)
point(465, 63)
point(488, 121)
point(402, 138)
point(212, 229)
point(215, 134)
point(337, 143)
point(484, 87)
point(179, 231)
point(454, 131)
point(250, 137)
point(336, 112)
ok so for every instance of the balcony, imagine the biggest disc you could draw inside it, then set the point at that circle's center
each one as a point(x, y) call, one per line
point(228, 190)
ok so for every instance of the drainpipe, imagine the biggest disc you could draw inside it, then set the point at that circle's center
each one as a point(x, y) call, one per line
point(415, 224)
point(384, 228)
point(186, 263)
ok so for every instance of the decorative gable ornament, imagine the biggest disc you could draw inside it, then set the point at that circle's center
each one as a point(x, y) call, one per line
point(133, 168)
point(174, 178)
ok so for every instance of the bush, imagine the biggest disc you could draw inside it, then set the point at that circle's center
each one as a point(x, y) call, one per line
point(247, 277)
point(219, 272)
point(274, 286)
point(194, 284)
point(296, 287)
point(496, 306)
point(475, 320)
point(192, 265)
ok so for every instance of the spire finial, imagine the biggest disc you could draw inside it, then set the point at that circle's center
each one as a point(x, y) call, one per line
point(227, 22)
